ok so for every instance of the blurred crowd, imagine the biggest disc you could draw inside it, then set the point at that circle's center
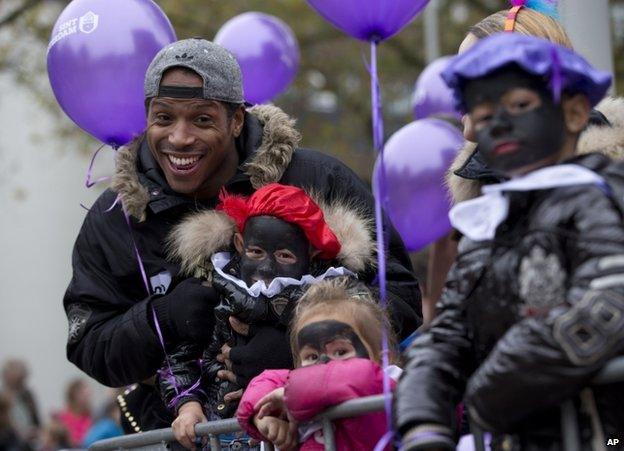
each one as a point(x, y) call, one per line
point(77, 424)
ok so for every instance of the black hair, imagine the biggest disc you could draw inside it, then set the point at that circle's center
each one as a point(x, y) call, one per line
point(231, 108)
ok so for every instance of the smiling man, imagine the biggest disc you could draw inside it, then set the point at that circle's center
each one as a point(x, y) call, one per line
point(200, 138)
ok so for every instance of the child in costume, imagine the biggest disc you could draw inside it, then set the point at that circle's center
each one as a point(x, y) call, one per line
point(534, 305)
point(336, 343)
point(283, 241)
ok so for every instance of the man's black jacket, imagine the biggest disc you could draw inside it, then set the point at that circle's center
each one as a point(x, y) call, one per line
point(110, 337)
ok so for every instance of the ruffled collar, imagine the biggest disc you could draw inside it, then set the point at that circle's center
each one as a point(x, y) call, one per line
point(479, 218)
point(221, 259)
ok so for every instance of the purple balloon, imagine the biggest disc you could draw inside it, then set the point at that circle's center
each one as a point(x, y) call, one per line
point(369, 20)
point(431, 95)
point(415, 160)
point(267, 51)
point(97, 58)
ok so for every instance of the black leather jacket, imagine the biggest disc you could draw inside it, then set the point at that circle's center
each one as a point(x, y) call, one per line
point(185, 377)
point(527, 320)
point(110, 336)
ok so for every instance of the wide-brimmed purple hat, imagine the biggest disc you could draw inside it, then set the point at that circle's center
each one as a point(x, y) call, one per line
point(564, 69)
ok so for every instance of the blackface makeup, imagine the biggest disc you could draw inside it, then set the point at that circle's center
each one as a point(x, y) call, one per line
point(323, 341)
point(516, 121)
point(273, 248)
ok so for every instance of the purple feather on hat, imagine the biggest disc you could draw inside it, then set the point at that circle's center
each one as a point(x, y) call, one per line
point(547, 7)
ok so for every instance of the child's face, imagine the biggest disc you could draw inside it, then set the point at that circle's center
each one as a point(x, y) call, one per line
point(518, 127)
point(323, 339)
point(269, 248)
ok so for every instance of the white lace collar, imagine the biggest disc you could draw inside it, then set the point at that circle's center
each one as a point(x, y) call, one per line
point(220, 259)
point(478, 218)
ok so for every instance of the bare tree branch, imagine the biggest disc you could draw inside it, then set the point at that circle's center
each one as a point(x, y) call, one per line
point(28, 4)
point(407, 55)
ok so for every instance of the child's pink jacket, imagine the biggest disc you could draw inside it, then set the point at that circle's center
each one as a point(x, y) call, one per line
point(311, 390)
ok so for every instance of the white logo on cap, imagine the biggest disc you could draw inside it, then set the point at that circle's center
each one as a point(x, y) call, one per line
point(88, 23)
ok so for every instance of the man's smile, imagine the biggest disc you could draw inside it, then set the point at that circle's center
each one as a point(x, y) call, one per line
point(182, 164)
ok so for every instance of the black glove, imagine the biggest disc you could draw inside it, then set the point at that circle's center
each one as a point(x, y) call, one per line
point(269, 348)
point(236, 301)
point(186, 314)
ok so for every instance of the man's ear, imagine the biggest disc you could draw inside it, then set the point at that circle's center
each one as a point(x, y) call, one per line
point(238, 243)
point(238, 119)
point(575, 112)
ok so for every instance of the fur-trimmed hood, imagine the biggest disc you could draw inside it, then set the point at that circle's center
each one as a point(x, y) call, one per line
point(199, 235)
point(596, 138)
point(266, 165)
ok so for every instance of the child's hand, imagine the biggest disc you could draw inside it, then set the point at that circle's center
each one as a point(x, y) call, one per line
point(183, 427)
point(225, 353)
point(239, 326)
point(224, 356)
point(281, 433)
point(271, 404)
point(227, 375)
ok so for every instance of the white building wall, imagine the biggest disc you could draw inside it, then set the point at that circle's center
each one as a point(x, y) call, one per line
point(41, 188)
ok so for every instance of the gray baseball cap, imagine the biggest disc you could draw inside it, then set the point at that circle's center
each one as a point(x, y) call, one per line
point(213, 63)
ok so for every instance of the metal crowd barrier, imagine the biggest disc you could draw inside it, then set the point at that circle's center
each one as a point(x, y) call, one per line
point(612, 372)
point(157, 440)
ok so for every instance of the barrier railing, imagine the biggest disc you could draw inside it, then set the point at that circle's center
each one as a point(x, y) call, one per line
point(158, 439)
point(612, 372)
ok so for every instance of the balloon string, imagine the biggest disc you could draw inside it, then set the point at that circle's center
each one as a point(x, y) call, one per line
point(137, 254)
point(89, 183)
point(147, 289)
point(384, 440)
point(115, 202)
point(88, 180)
point(380, 193)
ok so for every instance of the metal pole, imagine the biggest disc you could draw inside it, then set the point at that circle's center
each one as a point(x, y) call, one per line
point(569, 427)
point(589, 27)
point(328, 436)
point(432, 35)
point(215, 443)
point(477, 435)
point(612, 372)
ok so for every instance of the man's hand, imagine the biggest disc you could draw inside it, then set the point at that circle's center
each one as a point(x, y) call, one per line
point(239, 327)
point(186, 314)
point(271, 404)
point(281, 433)
point(267, 349)
point(183, 427)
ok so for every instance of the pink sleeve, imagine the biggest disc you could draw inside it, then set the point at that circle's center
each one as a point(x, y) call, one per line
point(312, 389)
point(264, 383)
